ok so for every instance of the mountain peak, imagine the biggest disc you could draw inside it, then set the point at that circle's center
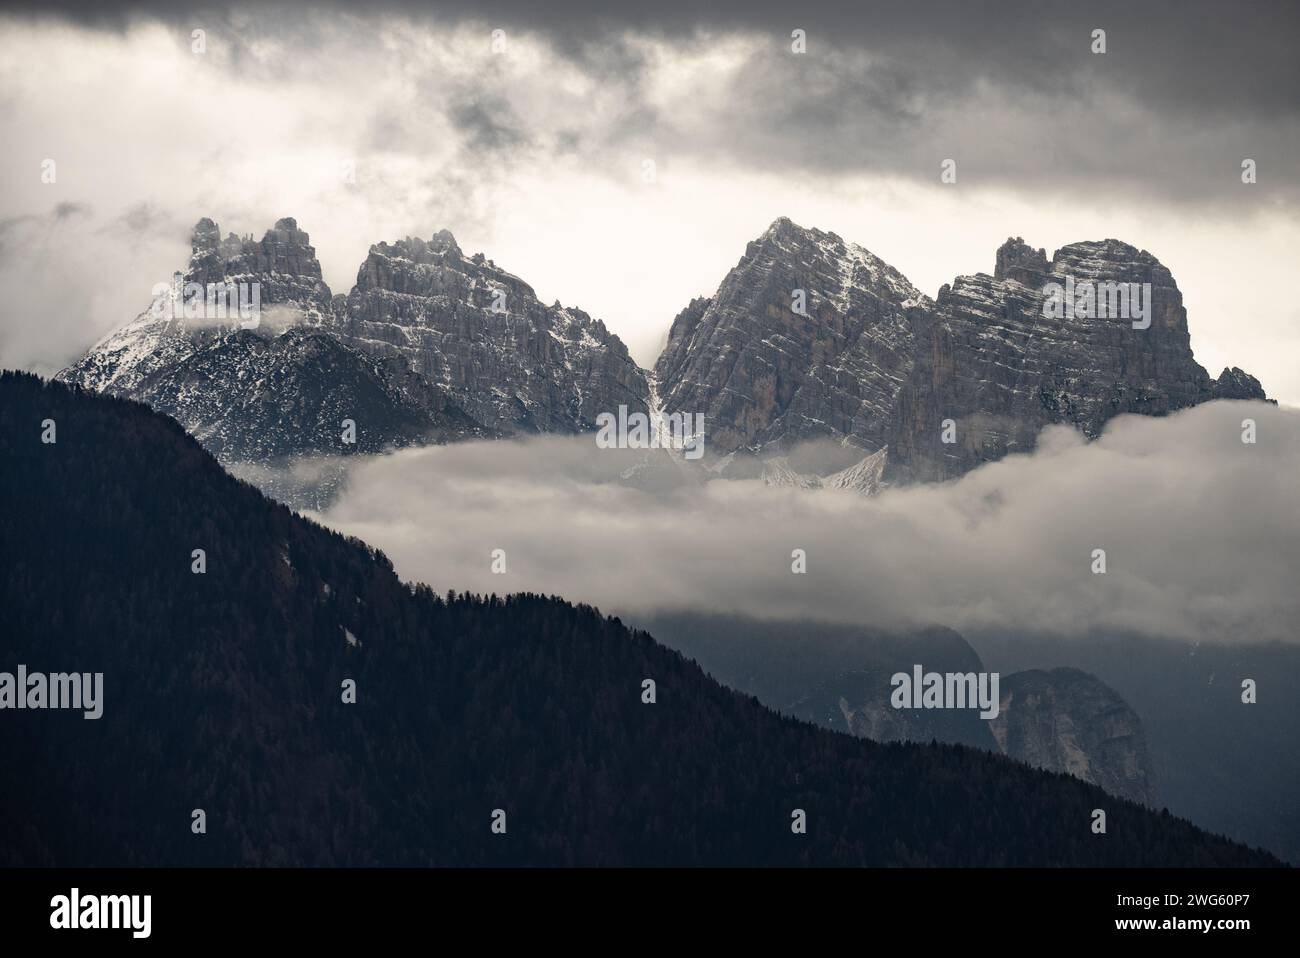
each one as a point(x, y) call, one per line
point(1017, 260)
point(286, 233)
point(785, 229)
point(468, 325)
point(1236, 383)
point(421, 250)
point(812, 337)
point(205, 236)
point(802, 316)
point(1107, 258)
point(443, 242)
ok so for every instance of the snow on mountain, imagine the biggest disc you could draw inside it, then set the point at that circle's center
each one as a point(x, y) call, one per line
point(283, 387)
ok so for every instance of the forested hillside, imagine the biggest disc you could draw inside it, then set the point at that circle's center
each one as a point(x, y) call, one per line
point(223, 692)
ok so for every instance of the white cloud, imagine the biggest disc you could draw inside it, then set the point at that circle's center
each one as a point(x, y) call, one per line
point(1201, 532)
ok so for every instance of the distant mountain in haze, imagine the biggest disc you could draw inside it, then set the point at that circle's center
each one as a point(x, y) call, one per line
point(1226, 765)
point(839, 677)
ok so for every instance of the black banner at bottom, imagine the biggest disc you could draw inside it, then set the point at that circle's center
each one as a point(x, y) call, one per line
point(332, 906)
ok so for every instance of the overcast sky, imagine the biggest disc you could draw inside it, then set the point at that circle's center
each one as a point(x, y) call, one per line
point(536, 154)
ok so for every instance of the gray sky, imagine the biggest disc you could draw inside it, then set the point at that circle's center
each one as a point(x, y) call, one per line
point(537, 154)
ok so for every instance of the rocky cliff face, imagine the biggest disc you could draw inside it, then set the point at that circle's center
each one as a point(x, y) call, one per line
point(283, 262)
point(988, 359)
point(874, 363)
point(469, 326)
point(281, 389)
point(1069, 721)
point(430, 342)
point(808, 337)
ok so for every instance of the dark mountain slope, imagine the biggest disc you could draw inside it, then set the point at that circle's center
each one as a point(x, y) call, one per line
point(221, 692)
point(249, 398)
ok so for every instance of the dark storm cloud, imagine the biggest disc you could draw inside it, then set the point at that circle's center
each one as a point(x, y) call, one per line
point(487, 124)
point(1194, 54)
point(1011, 91)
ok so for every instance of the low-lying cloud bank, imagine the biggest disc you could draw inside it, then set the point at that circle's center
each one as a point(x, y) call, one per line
point(1201, 532)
